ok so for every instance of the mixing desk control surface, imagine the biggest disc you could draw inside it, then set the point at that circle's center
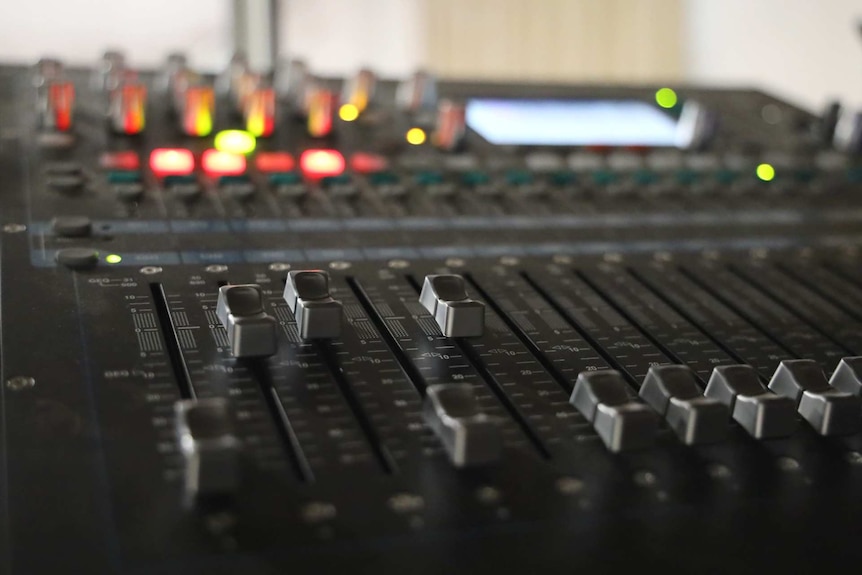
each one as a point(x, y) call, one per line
point(282, 323)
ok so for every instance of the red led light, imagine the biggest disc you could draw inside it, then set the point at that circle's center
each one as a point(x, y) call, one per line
point(123, 161)
point(172, 162)
point(317, 164)
point(365, 163)
point(218, 163)
point(274, 162)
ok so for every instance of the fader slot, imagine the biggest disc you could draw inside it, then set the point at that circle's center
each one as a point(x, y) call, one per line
point(667, 330)
point(171, 336)
point(432, 358)
point(820, 314)
point(625, 347)
point(520, 380)
point(560, 349)
point(764, 313)
point(729, 330)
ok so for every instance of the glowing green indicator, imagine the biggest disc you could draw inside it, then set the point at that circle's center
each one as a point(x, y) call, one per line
point(235, 142)
point(113, 258)
point(666, 98)
point(766, 172)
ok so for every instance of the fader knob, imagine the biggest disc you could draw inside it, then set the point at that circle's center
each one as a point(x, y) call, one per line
point(418, 92)
point(128, 106)
point(451, 125)
point(622, 422)
point(848, 376)
point(469, 436)
point(317, 314)
point(829, 411)
point(672, 391)
point(445, 297)
point(211, 450)
point(250, 331)
point(848, 132)
point(760, 412)
point(359, 90)
point(292, 82)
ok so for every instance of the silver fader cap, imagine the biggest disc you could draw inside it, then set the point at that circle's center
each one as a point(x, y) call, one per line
point(317, 314)
point(470, 437)
point(848, 376)
point(210, 449)
point(250, 331)
point(829, 411)
point(445, 298)
point(761, 413)
point(673, 392)
point(622, 422)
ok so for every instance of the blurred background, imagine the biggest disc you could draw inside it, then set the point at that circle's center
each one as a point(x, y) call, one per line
point(808, 52)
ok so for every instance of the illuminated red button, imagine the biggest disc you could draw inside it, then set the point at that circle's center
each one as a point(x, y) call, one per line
point(365, 163)
point(172, 162)
point(267, 162)
point(317, 164)
point(218, 163)
point(125, 160)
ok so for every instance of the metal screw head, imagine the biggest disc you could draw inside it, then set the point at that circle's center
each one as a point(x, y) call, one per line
point(455, 262)
point(14, 228)
point(150, 270)
point(663, 256)
point(215, 268)
point(279, 267)
point(398, 264)
point(339, 265)
point(509, 261)
point(562, 259)
point(20, 382)
point(613, 257)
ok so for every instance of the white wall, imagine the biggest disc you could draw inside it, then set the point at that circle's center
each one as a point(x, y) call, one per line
point(79, 32)
point(807, 50)
point(333, 36)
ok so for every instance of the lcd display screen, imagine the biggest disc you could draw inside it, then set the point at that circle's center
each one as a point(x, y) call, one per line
point(571, 122)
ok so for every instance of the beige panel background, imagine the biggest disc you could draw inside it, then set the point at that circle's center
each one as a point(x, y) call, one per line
point(556, 40)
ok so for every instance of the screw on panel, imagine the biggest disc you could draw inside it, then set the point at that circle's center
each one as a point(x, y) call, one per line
point(613, 257)
point(455, 263)
point(279, 267)
point(562, 259)
point(20, 382)
point(150, 270)
point(509, 261)
point(14, 228)
point(662, 256)
point(339, 265)
point(398, 264)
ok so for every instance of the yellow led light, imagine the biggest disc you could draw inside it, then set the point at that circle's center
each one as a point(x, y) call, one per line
point(348, 112)
point(416, 136)
point(666, 98)
point(766, 172)
point(235, 142)
point(113, 258)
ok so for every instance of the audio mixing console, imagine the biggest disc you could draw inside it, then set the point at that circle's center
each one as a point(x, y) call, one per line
point(286, 324)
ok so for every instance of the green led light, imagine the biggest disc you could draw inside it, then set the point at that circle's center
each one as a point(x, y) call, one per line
point(235, 142)
point(766, 172)
point(666, 98)
point(113, 258)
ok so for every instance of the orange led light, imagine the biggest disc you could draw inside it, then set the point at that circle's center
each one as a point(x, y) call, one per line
point(62, 96)
point(124, 160)
point(217, 163)
point(320, 112)
point(260, 113)
point(317, 164)
point(365, 163)
point(172, 162)
point(198, 111)
point(274, 162)
point(135, 97)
